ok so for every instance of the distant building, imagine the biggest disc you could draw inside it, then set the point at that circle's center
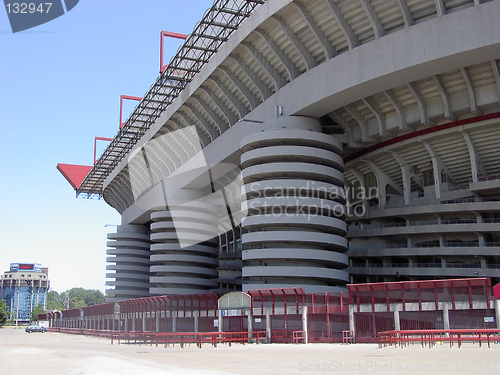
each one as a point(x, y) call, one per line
point(24, 287)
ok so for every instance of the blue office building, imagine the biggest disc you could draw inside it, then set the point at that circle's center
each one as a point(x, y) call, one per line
point(23, 288)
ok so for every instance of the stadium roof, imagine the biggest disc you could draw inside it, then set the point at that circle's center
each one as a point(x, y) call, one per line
point(209, 34)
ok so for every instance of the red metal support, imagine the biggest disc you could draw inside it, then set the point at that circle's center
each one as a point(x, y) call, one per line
point(488, 293)
point(216, 303)
point(261, 303)
point(419, 297)
point(436, 299)
point(121, 105)
point(312, 302)
point(372, 297)
point(358, 299)
point(452, 296)
point(404, 297)
point(296, 299)
point(387, 299)
point(272, 294)
point(192, 305)
point(170, 35)
point(469, 287)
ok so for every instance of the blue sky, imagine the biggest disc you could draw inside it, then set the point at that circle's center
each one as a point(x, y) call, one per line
point(60, 85)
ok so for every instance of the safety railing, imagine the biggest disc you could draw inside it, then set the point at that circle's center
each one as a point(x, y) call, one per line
point(423, 223)
point(432, 336)
point(426, 201)
point(169, 338)
point(424, 245)
point(421, 265)
point(299, 337)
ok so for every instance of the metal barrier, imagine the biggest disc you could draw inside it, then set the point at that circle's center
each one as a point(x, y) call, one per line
point(167, 338)
point(299, 336)
point(347, 337)
point(431, 336)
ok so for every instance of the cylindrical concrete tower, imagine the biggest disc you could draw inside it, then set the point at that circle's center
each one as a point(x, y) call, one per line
point(294, 232)
point(184, 246)
point(129, 250)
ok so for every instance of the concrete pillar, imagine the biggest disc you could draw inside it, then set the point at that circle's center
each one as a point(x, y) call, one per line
point(250, 324)
point(446, 316)
point(157, 323)
point(174, 324)
point(304, 324)
point(268, 325)
point(397, 325)
point(133, 323)
point(196, 324)
point(352, 327)
point(220, 317)
point(497, 312)
point(126, 325)
point(143, 322)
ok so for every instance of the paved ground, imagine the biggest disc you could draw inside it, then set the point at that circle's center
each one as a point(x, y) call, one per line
point(60, 354)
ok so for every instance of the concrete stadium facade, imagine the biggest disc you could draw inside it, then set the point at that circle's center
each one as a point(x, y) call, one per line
point(362, 139)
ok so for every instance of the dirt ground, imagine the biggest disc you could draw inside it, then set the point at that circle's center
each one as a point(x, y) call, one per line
point(61, 354)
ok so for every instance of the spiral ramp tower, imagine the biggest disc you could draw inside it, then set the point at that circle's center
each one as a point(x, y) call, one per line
point(184, 247)
point(294, 231)
point(128, 251)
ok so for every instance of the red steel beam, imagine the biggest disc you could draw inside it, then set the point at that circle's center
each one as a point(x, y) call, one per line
point(418, 133)
point(128, 97)
point(95, 145)
point(168, 34)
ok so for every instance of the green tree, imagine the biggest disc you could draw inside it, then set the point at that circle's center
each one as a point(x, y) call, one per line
point(54, 301)
point(79, 297)
point(37, 311)
point(3, 312)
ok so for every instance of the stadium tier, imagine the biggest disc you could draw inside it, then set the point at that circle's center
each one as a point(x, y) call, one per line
point(311, 144)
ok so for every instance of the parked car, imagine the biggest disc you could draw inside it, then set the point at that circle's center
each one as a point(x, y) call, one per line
point(36, 328)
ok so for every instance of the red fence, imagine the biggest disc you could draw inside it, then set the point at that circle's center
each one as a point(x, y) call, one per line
point(431, 337)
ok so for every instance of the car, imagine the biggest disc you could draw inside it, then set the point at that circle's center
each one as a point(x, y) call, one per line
point(36, 328)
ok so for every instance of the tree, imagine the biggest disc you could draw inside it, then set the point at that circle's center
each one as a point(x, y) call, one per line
point(37, 311)
point(79, 297)
point(54, 301)
point(3, 312)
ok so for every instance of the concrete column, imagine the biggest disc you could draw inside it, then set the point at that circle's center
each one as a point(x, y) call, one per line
point(174, 324)
point(220, 317)
point(446, 316)
point(268, 325)
point(397, 325)
point(133, 324)
point(157, 323)
point(196, 324)
point(497, 312)
point(480, 236)
point(304, 324)
point(143, 322)
point(250, 324)
point(126, 325)
point(351, 320)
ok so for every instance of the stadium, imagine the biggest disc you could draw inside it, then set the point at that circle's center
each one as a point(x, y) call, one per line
point(307, 145)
